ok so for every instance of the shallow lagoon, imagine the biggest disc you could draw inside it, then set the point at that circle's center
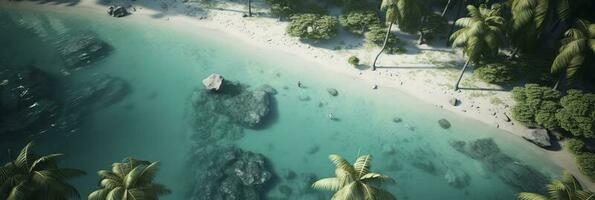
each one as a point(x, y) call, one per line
point(164, 65)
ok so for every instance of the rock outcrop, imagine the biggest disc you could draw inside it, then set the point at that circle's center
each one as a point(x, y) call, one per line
point(213, 82)
point(118, 11)
point(247, 108)
point(539, 137)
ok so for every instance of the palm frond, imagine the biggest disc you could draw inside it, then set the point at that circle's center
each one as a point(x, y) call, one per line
point(100, 194)
point(362, 165)
point(115, 194)
point(341, 163)
point(160, 189)
point(531, 196)
point(24, 158)
point(327, 184)
point(375, 177)
point(45, 159)
point(349, 192)
point(148, 173)
point(111, 184)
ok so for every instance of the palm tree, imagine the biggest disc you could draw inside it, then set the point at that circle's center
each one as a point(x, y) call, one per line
point(446, 8)
point(354, 182)
point(577, 43)
point(407, 13)
point(481, 36)
point(566, 189)
point(130, 180)
point(36, 177)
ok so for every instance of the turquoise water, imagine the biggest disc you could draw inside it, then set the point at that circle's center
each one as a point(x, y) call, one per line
point(164, 65)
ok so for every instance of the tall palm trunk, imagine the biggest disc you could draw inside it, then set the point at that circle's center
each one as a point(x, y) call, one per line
point(461, 75)
point(421, 32)
point(390, 25)
point(446, 8)
point(249, 8)
point(514, 52)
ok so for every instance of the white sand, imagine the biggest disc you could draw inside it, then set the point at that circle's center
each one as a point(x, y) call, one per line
point(424, 72)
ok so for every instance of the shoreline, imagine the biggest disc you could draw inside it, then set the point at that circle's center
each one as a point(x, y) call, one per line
point(425, 83)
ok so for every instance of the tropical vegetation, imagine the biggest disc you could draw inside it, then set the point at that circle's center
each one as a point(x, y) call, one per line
point(37, 177)
point(312, 26)
point(130, 180)
point(354, 182)
point(568, 188)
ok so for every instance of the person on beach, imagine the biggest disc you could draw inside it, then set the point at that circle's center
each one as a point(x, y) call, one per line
point(299, 84)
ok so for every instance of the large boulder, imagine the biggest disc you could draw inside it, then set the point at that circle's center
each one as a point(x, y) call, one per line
point(539, 137)
point(213, 82)
point(81, 49)
point(117, 11)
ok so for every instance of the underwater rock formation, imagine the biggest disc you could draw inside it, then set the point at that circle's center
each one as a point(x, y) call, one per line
point(97, 92)
point(228, 173)
point(244, 107)
point(27, 106)
point(518, 176)
point(80, 49)
point(32, 102)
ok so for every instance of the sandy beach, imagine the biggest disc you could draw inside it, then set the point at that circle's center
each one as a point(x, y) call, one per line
point(425, 72)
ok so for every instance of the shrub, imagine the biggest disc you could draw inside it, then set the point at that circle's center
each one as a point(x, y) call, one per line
point(312, 26)
point(376, 36)
point(497, 73)
point(353, 60)
point(359, 21)
point(578, 113)
point(536, 105)
point(575, 146)
point(586, 163)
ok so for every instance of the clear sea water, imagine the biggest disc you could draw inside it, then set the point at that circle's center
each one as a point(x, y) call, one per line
point(164, 65)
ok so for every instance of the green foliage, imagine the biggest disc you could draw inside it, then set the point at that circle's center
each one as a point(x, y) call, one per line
point(287, 8)
point(353, 60)
point(312, 26)
point(376, 36)
point(568, 188)
point(36, 177)
point(575, 146)
point(578, 113)
point(586, 163)
point(433, 26)
point(536, 105)
point(406, 14)
point(354, 181)
point(359, 21)
point(497, 73)
point(482, 33)
point(130, 180)
point(577, 44)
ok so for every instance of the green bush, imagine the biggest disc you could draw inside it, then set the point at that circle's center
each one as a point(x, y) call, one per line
point(312, 26)
point(376, 36)
point(586, 163)
point(353, 60)
point(288, 8)
point(575, 146)
point(497, 73)
point(578, 113)
point(536, 105)
point(359, 21)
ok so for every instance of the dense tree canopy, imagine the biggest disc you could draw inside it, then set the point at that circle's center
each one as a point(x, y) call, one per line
point(312, 26)
point(578, 113)
point(536, 105)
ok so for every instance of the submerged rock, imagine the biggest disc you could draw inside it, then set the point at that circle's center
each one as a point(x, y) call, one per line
point(223, 173)
point(512, 172)
point(234, 103)
point(539, 137)
point(457, 178)
point(81, 49)
point(332, 92)
point(98, 91)
point(397, 119)
point(445, 124)
point(213, 82)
